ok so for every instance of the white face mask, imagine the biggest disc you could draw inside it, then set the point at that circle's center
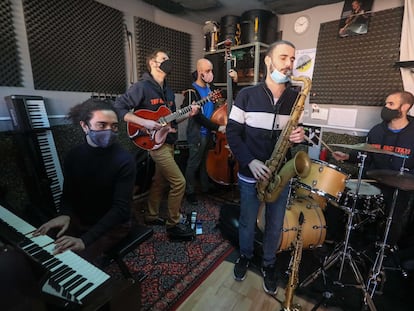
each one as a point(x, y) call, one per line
point(278, 77)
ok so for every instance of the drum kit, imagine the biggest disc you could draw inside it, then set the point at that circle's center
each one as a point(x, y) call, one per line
point(359, 199)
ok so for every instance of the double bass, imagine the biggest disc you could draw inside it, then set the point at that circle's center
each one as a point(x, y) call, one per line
point(221, 165)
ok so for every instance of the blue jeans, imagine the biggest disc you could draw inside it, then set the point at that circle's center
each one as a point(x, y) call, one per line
point(275, 213)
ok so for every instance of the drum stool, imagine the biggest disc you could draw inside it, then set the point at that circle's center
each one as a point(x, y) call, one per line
point(135, 237)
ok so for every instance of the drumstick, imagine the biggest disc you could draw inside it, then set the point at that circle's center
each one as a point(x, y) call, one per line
point(322, 142)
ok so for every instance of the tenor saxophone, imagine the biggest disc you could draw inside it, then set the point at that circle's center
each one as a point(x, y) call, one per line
point(270, 189)
point(294, 271)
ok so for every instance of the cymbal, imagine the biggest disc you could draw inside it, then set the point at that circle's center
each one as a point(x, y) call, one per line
point(369, 148)
point(396, 179)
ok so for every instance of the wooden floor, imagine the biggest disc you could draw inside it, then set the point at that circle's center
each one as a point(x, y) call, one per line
point(221, 292)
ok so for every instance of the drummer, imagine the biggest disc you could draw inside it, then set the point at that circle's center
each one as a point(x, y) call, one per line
point(394, 134)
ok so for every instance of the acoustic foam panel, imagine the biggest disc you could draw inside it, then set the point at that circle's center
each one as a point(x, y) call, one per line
point(151, 36)
point(10, 70)
point(360, 69)
point(76, 46)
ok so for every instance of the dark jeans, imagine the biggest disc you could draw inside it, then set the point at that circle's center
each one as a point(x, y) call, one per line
point(274, 217)
point(197, 160)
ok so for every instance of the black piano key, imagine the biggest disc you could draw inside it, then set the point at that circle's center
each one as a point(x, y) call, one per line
point(76, 284)
point(70, 281)
point(80, 291)
point(58, 281)
point(54, 276)
point(65, 276)
point(25, 242)
point(53, 263)
point(43, 256)
point(58, 270)
point(30, 248)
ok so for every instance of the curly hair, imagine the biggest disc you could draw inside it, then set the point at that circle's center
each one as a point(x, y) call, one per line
point(84, 111)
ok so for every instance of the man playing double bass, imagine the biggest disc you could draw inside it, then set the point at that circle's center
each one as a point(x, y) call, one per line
point(199, 128)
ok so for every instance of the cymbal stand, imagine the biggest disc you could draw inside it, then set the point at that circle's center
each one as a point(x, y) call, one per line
point(377, 274)
point(343, 251)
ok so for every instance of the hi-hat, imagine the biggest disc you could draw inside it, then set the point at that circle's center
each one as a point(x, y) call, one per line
point(396, 179)
point(369, 148)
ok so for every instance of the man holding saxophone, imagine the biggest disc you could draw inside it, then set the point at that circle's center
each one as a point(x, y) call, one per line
point(257, 118)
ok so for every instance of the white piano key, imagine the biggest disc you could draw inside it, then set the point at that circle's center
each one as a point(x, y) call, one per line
point(69, 259)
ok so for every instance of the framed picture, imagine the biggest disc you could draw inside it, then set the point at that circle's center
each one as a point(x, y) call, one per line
point(355, 18)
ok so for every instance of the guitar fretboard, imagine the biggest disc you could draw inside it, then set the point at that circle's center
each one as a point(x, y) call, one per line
point(181, 112)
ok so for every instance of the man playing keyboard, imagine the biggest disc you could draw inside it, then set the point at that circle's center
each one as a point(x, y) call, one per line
point(99, 177)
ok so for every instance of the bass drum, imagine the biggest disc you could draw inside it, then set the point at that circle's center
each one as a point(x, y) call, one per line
point(313, 227)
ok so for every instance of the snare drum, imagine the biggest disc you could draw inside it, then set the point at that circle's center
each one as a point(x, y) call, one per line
point(325, 180)
point(369, 200)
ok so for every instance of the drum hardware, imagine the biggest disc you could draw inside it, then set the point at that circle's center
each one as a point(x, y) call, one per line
point(400, 181)
point(327, 293)
point(343, 251)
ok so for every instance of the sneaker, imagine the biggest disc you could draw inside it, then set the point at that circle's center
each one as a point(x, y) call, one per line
point(240, 268)
point(192, 199)
point(180, 230)
point(269, 280)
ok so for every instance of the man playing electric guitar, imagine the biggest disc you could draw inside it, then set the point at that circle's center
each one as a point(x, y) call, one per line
point(152, 93)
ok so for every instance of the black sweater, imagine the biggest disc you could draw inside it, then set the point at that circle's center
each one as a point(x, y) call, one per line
point(382, 137)
point(97, 188)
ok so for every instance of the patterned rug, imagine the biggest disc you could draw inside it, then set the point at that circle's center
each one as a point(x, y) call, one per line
point(175, 269)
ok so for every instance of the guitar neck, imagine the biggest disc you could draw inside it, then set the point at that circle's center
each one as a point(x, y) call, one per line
point(181, 112)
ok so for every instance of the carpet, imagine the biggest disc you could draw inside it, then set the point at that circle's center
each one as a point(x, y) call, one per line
point(174, 269)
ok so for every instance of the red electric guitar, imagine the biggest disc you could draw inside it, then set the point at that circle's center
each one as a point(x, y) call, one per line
point(154, 139)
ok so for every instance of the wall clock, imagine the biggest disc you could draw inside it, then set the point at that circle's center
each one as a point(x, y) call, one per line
point(301, 24)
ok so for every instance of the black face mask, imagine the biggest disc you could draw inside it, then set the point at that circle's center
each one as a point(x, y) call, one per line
point(389, 114)
point(166, 66)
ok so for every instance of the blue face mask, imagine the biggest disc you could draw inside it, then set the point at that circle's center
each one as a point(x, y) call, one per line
point(279, 77)
point(103, 138)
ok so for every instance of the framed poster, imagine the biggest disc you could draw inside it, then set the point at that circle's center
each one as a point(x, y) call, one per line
point(355, 17)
